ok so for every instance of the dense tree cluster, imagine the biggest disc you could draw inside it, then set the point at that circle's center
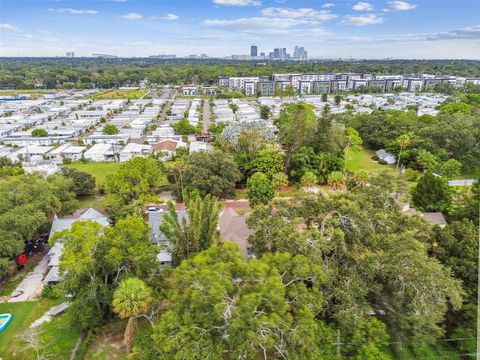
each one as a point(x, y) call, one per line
point(96, 258)
point(133, 185)
point(311, 145)
point(376, 261)
point(107, 73)
point(427, 142)
point(28, 204)
point(212, 173)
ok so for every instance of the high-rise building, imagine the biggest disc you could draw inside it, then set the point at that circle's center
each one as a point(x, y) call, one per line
point(299, 53)
point(70, 54)
point(253, 51)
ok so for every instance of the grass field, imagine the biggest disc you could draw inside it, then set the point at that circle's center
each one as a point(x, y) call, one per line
point(56, 336)
point(119, 94)
point(24, 313)
point(34, 93)
point(362, 160)
point(100, 170)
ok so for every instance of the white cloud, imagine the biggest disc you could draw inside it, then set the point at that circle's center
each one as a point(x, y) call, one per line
point(256, 25)
point(9, 27)
point(362, 20)
point(301, 13)
point(402, 5)
point(73, 11)
point(362, 6)
point(132, 16)
point(467, 33)
point(327, 5)
point(238, 2)
point(169, 17)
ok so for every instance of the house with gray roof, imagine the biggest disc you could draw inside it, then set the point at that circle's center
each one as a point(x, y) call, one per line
point(155, 219)
point(56, 251)
point(386, 156)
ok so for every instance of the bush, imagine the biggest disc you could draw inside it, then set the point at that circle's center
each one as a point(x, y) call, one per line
point(411, 175)
point(51, 292)
point(39, 133)
point(260, 189)
point(382, 162)
point(375, 158)
point(66, 161)
point(110, 129)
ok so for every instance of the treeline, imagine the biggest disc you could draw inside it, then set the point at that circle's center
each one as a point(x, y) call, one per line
point(52, 73)
point(427, 142)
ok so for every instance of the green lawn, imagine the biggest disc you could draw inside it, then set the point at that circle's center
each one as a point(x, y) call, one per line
point(92, 201)
point(119, 94)
point(99, 170)
point(24, 313)
point(57, 336)
point(362, 160)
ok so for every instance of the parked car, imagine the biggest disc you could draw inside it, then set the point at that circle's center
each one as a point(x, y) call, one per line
point(152, 209)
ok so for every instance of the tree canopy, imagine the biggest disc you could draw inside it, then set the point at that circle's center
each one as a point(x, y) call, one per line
point(212, 173)
point(375, 258)
point(219, 305)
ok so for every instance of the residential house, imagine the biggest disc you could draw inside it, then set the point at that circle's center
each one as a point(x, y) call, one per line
point(135, 150)
point(155, 219)
point(191, 90)
point(67, 151)
point(60, 224)
point(196, 146)
point(103, 152)
point(386, 156)
point(30, 153)
point(169, 147)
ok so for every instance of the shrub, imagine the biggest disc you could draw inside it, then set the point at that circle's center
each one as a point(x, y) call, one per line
point(411, 175)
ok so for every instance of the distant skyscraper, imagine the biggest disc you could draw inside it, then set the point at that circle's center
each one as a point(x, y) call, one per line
point(299, 53)
point(253, 51)
point(70, 54)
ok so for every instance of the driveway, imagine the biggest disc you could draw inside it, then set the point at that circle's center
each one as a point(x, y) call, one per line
point(31, 287)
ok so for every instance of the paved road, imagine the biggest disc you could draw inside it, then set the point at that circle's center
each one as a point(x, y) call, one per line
point(206, 115)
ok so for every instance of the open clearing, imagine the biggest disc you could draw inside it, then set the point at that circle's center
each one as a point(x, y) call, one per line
point(119, 94)
point(100, 170)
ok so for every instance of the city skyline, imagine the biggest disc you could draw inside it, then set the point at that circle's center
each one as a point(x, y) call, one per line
point(219, 28)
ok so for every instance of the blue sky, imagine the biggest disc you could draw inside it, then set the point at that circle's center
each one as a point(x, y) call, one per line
point(327, 29)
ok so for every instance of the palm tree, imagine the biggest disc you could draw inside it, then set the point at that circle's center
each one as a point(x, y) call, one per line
point(280, 181)
point(336, 180)
point(360, 178)
point(309, 179)
point(131, 299)
point(403, 141)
